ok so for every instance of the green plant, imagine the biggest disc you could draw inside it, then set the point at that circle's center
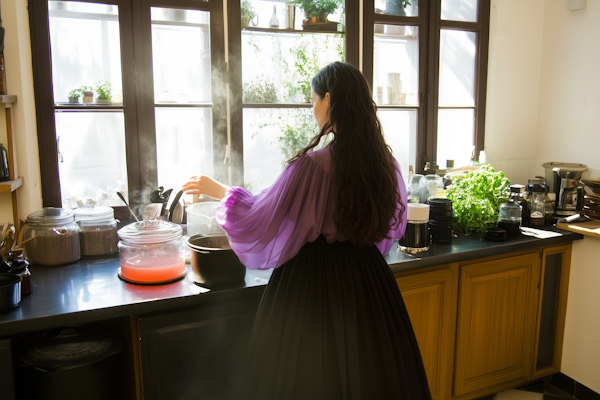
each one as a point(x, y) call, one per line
point(247, 10)
point(74, 93)
point(104, 90)
point(476, 200)
point(259, 91)
point(318, 8)
point(84, 89)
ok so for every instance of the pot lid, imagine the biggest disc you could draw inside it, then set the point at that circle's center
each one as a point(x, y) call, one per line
point(68, 347)
point(51, 215)
point(94, 213)
point(149, 232)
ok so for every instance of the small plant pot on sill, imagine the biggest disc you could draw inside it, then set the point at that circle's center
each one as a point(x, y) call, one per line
point(88, 97)
point(73, 99)
point(103, 101)
point(319, 24)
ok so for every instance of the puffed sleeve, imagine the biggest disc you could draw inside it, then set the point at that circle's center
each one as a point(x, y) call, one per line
point(269, 229)
point(396, 233)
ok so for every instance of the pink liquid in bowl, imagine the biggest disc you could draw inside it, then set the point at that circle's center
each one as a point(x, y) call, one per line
point(155, 269)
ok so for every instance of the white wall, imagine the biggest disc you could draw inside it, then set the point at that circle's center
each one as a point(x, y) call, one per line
point(544, 105)
point(569, 131)
point(19, 81)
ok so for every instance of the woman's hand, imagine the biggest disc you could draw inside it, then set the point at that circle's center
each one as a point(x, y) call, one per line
point(203, 184)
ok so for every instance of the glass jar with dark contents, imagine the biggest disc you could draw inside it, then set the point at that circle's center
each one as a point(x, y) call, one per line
point(98, 234)
point(51, 237)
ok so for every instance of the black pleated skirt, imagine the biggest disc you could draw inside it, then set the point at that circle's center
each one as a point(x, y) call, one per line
point(332, 325)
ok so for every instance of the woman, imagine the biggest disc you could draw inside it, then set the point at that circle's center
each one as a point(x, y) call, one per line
point(332, 323)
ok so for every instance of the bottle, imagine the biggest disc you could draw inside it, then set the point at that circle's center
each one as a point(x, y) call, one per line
point(4, 173)
point(274, 22)
point(482, 158)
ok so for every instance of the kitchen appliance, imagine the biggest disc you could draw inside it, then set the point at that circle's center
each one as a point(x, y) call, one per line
point(416, 236)
point(569, 200)
point(213, 261)
point(557, 171)
point(151, 252)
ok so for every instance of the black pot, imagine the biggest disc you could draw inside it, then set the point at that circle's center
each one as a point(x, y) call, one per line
point(10, 291)
point(440, 213)
point(441, 233)
point(213, 262)
point(439, 203)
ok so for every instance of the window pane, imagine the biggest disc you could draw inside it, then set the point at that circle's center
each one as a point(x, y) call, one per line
point(271, 137)
point(459, 10)
point(273, 14)
point(457, 68)
point(396, 65)
point(455, 138)
point(92, 163)
point(181, 55)
point(278, 67)
point(400, 131)
point(85, 47)
point(183, 145)
point(409, 8)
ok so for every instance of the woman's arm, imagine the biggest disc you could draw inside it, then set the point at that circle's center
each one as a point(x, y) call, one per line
point(203, 184)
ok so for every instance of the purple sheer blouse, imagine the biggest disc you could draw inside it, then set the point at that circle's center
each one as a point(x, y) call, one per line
point(269, 229)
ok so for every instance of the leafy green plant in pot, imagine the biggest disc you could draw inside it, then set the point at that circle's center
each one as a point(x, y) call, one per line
point(104, 92)
point(88, 93)
point(74, 96)
point(316, 11)
point(248, 14)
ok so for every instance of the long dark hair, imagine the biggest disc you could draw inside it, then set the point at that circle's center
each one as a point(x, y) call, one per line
point(366, 186)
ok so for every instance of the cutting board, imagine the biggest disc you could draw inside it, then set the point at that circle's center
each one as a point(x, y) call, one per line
point(590, 228)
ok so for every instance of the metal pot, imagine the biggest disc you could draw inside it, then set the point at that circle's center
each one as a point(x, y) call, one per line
point(10, 291)
point(213, 262)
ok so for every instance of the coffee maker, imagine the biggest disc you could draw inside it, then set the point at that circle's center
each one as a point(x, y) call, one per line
point(569, 200)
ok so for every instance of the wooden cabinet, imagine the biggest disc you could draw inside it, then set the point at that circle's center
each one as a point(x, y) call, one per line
point(496, 322)
point(430, 299)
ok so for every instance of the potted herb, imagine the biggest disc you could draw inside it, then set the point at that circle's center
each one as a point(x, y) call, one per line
point(248, 14)
point(316, 12)
point(104, 92)
point(74, 96)
point(88, 94)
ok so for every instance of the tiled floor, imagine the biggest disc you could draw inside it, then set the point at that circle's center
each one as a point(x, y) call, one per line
point(534, 391)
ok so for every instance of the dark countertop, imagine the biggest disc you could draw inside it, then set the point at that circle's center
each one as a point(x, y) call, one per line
point(90, 290)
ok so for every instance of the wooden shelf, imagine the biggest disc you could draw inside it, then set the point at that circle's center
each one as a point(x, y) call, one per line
point(11, 186)
point(590, 228)
point(273, 30)
point(8, 99)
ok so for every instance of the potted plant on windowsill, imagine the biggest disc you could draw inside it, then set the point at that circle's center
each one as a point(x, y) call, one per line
point(316, 12)
point(74, 96)
point(248, 14)
point(104, 92)
point(88, 94)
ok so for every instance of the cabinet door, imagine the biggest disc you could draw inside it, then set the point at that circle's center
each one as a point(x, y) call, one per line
point(196, 353)
point(496, 322)
point(430, 299)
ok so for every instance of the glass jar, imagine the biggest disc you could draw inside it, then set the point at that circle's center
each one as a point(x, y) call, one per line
point(51, 237)
point(151, 252)
point(98, 236)
point(537, 201)
point(510, 217)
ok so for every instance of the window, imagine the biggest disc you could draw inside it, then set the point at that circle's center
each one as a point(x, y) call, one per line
point(428, 71)
point(177, 89)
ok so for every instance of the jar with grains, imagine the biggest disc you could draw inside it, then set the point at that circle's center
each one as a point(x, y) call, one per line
point(151, 252)
point(54, 237)
point(98, 236)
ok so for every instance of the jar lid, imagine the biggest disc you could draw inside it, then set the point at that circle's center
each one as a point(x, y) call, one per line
point(149, 232)
point(94, 214)
point(51, 216)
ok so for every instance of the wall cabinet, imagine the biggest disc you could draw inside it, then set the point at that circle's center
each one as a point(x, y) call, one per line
point(490, 324)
